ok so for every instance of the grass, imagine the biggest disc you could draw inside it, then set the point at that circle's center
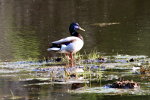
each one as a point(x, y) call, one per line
point(93, 54)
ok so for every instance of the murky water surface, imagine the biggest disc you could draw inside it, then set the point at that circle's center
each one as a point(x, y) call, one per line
point(112, 28)
point(51, 80)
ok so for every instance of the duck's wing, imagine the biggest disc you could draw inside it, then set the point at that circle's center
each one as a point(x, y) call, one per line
point(65, 40)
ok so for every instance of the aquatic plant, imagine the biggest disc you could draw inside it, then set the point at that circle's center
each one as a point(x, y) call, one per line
point(13, 97)
point(12, 94)
point(93, 54)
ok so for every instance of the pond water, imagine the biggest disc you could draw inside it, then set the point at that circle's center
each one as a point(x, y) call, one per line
point(48, 80)
point(28, 26)
point(112, 27)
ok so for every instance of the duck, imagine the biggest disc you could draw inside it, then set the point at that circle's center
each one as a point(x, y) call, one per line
point(71, 44)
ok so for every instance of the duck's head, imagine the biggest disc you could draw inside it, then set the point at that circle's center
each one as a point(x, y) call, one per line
point(74, 28)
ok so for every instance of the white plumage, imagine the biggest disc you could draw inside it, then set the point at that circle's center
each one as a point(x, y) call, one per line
point(71, 44)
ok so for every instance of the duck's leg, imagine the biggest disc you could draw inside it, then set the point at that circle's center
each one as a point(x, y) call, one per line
point(71, 59)
point(67, 56)
point(68, 60)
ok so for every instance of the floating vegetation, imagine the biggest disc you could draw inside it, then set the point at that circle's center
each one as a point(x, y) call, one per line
point(110, 91)
point(92, 73)
point(105, 24)
point(124, 84)
point(145, 69)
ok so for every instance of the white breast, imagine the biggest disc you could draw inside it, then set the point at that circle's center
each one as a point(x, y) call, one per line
point(73, 47)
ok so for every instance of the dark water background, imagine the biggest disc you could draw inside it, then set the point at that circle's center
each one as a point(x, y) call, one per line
point(27, 26)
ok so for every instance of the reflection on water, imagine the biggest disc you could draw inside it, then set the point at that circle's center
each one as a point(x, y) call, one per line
point(27, 26)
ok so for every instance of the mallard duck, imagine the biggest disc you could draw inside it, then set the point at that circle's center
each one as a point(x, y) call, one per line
point(69, 45)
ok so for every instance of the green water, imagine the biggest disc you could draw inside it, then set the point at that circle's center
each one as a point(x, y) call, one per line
point(28, 26)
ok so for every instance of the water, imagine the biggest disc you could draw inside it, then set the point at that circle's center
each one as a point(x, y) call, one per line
point(28, 26)
point(32, 80)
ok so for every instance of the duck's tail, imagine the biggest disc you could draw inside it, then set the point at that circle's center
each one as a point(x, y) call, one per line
point(53, 49)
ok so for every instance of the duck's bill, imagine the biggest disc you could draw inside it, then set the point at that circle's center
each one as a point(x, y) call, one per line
point(81, 29)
